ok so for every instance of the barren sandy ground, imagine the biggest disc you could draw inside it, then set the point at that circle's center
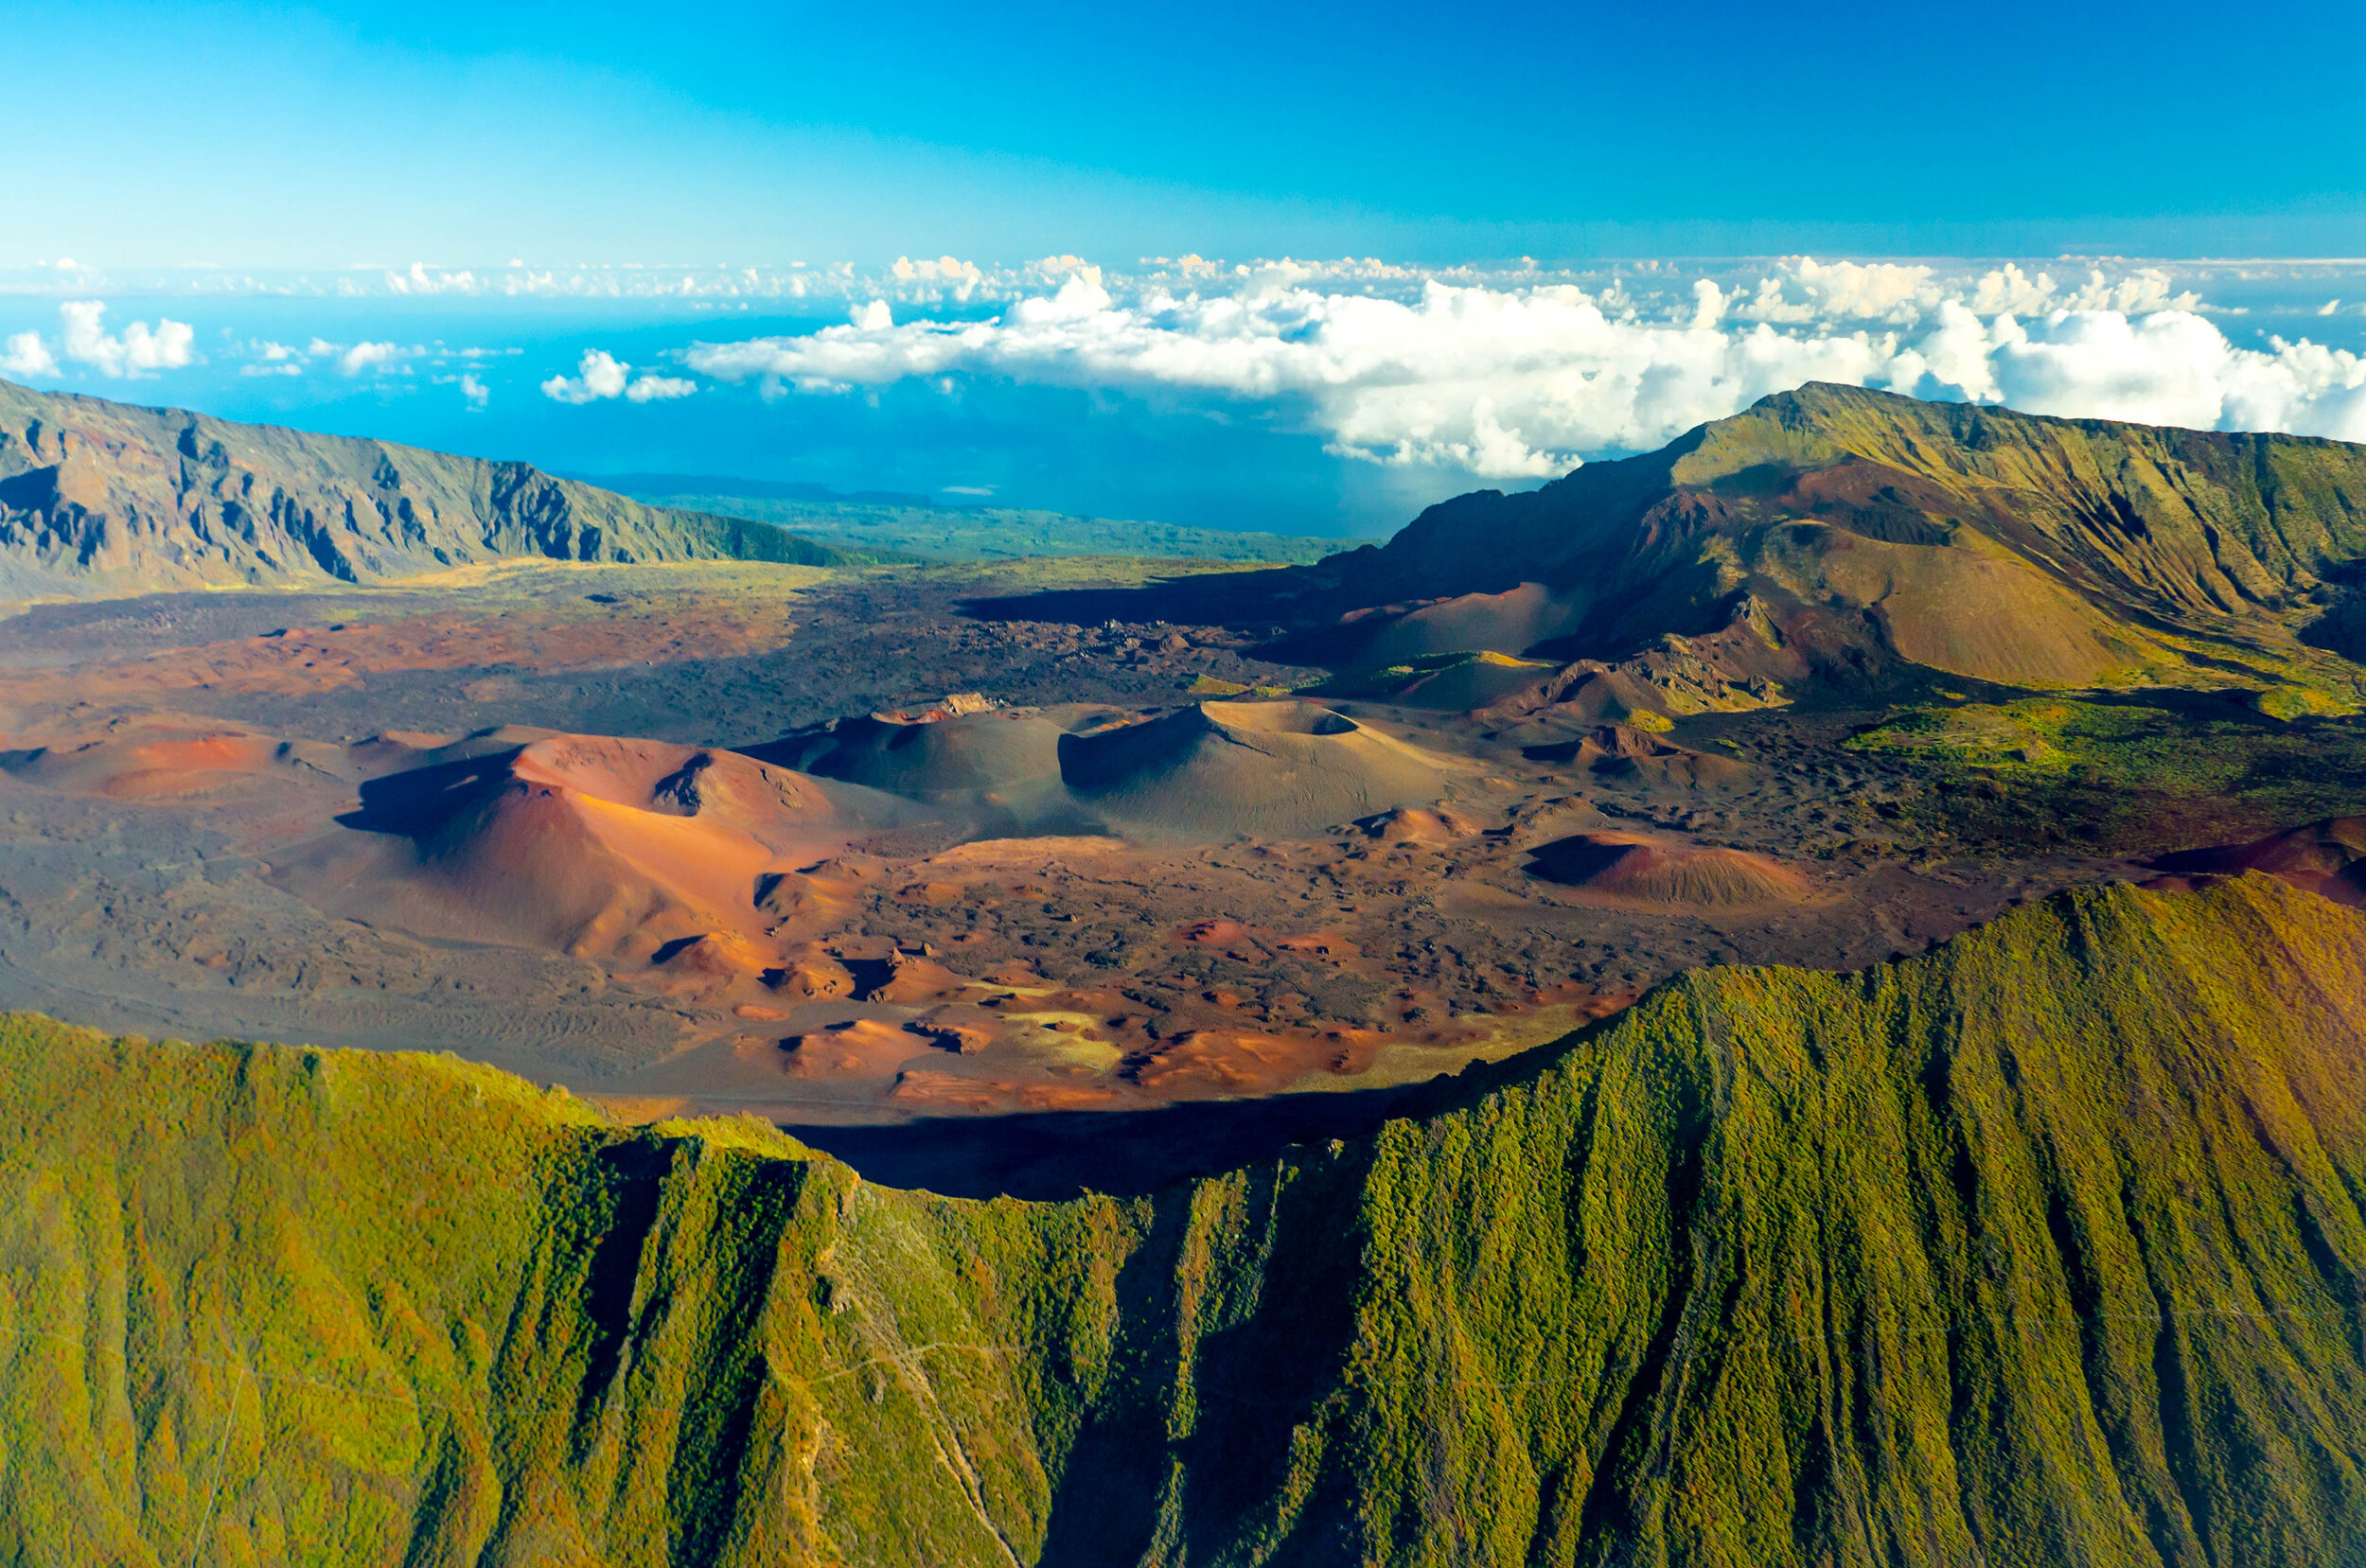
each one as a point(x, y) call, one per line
point(262, 814)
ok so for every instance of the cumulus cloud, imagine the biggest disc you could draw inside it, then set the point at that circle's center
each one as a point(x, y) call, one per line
point(141, 350)
point(351, 359)
point(1503, 384)
point(475, 391)
point(960, 279)
point(601, 375)
point(2170, 367)
point(381, 356)
point(24, 354)
point(1526, 381)
point(273, 359)
point(421, 279)
point(366, 358)
point(649, 389)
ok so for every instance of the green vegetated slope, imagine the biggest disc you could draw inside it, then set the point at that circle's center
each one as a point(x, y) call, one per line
point(2133, 775)
point(2042, 1248)
point(105, 496)
point(1859, 526)
point(991, 533)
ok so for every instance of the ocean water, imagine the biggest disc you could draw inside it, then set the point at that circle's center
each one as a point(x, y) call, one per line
point(1330, 398)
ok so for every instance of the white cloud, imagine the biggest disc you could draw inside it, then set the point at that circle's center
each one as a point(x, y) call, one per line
point(1524, 380)
point(475, 391)
point(140, 350)
point(959, 278)
point(26, 355)
point(1503, 384)
point(2170, 367)
point(600, 375)
point(1800, 291)
point(381, 356)
point(420, 280)
point(349, 360)
point(273, 359)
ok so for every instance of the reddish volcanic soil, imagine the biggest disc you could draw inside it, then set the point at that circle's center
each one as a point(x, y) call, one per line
point(861, 858)
point(1668, 873)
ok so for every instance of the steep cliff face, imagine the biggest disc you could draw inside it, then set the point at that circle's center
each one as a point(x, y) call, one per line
point(105, 496)
point(1964, 538)
point(2045, 1247)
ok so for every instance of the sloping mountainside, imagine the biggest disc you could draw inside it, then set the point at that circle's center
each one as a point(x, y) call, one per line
point(105, 496)
point(2044, 1248)
point(1834, 530)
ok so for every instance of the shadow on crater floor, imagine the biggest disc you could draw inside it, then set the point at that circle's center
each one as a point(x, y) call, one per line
point(1126, 1153)
point(1220, 598)
point(1130, 1153)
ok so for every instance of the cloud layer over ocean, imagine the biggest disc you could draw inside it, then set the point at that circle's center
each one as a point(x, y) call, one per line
point(1330, 397)
point(1507, 379)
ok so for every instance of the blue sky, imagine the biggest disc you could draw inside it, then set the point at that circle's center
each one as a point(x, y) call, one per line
point(467, 133)
point(1059, 254)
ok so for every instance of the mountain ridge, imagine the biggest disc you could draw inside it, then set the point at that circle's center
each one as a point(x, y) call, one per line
point(2044, 1246)
point(108, 497)
point(1822, 424)
point(1860, 527)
